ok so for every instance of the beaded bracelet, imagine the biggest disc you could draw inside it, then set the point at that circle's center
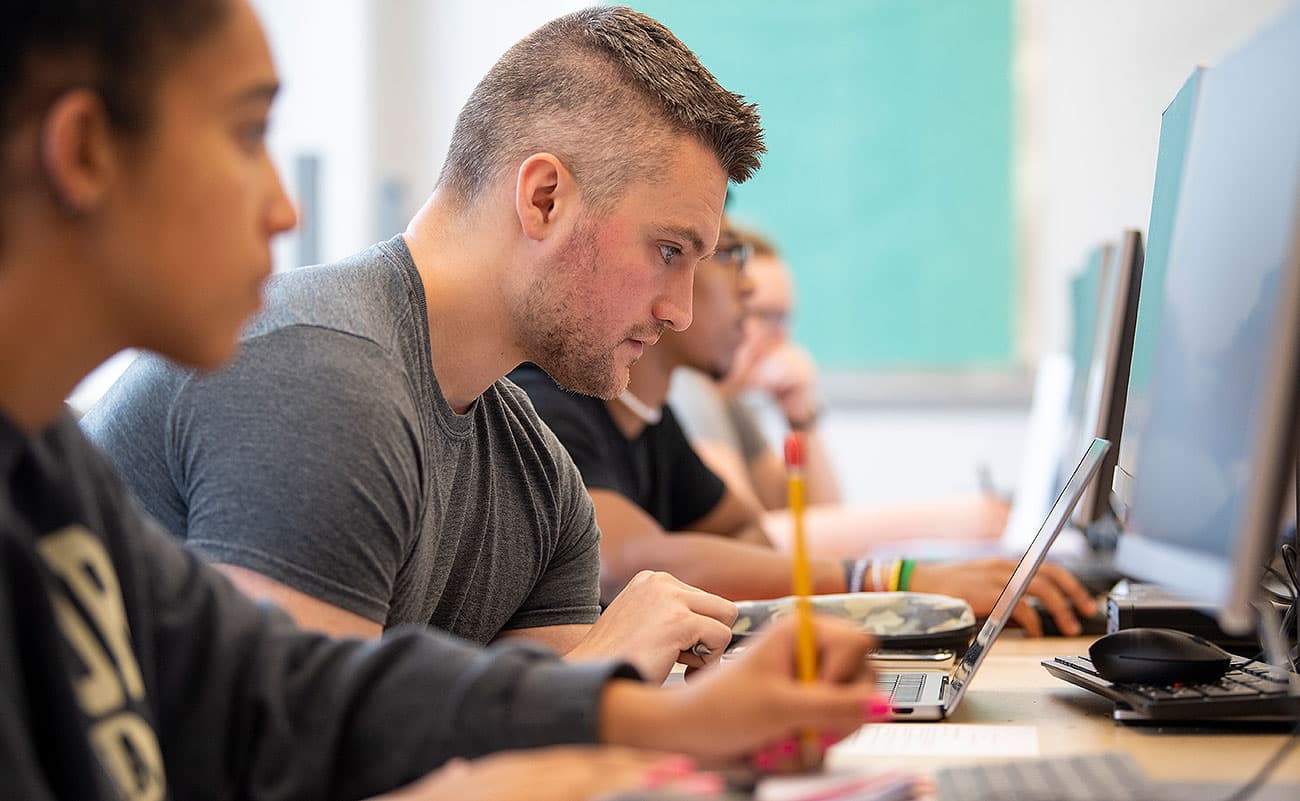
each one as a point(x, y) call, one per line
point(894, 574)
point(858, 576)
point(905, 574)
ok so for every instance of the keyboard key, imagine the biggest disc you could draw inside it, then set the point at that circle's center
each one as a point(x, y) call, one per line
point(1077, 778)
point(1227, 690)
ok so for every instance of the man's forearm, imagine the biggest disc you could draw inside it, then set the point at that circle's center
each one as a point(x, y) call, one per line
point(734, 570)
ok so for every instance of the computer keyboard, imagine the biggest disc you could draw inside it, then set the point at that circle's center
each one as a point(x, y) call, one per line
point(1246, 690)
point(901, 688)
point(1112, 776)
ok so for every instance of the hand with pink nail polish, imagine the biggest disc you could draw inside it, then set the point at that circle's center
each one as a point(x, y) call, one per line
point(567, 773)
point(753, 703)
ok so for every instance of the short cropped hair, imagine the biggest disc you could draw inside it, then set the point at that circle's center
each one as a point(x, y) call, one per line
point(598, 88)
point(119, 48)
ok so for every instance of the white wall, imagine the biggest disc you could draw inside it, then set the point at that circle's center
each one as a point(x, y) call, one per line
point(323, 51)
point(373, 88)
point(894, 455)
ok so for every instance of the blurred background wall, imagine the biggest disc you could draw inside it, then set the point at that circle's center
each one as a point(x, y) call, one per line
point(937, 172)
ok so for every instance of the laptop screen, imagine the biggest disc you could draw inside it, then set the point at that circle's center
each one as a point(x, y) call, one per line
point(1024, 572)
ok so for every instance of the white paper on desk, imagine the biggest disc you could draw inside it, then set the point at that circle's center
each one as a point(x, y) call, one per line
point(939, 739)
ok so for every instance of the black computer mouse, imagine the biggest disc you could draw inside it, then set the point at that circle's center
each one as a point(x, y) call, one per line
point(1158, 656)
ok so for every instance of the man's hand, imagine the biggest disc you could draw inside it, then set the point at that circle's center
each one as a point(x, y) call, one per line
point(654, 622)
point(789, 375)
point(754, 702)
point(571, 773)
point(980, 582)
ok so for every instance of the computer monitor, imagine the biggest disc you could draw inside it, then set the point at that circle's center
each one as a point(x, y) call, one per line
point(1086, 298)
point(1107, 381)
point(1218, 447)
point(1175, 129)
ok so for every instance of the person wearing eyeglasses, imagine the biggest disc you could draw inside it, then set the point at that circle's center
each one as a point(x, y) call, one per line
point(771, 370)
point(660, 507)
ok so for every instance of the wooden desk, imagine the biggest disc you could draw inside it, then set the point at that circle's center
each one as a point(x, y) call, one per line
point(1012, 688)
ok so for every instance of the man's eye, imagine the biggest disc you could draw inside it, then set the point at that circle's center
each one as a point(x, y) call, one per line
point(668, 253)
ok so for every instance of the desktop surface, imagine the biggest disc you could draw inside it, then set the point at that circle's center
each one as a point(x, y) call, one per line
point(1013, 690)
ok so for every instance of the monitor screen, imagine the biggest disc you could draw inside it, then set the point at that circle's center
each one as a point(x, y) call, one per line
point(1217, 447)
point(1175, 128)
point(1103, 406)
point(1085, 301)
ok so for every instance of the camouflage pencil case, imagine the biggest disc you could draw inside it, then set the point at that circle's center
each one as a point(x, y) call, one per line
point(901, 621)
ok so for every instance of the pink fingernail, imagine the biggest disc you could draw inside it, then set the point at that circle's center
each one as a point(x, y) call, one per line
point(878, 708)
point(671, 767)
point(787, 748)
point(702, 783)
point(764, 761)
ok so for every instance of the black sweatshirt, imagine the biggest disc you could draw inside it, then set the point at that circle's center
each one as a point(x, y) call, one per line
point(129, 669)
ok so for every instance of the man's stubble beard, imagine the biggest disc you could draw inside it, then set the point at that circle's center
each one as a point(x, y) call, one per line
point(553, 331)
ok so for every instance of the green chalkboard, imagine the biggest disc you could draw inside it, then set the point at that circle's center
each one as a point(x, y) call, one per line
point(888, 182)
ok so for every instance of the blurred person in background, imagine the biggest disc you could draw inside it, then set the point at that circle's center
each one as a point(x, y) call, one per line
point(719, 416)
point(661, 508)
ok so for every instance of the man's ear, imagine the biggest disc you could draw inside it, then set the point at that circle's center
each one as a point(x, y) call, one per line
point(545, 195)
point(76, 151)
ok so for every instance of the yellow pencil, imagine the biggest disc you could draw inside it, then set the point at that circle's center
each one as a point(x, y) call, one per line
point(806, 643)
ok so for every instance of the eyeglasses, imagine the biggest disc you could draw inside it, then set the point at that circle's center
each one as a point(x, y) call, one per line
point(736, 255)
point(777, 319)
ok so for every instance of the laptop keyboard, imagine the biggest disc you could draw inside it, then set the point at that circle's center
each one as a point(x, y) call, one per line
point(1077, 778)
point(1253, 681)
point(902, 688)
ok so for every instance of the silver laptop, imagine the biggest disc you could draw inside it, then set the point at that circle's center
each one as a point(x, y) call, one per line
point(933, 695)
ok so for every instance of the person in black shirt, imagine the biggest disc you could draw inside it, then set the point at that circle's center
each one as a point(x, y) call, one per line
point(660, 508)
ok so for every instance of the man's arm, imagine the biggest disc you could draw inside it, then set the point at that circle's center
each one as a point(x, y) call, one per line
point(633, 541)
point(742, 571)
point(735, 518)
point(313, 614)
point(309, 612)
point(300, 464)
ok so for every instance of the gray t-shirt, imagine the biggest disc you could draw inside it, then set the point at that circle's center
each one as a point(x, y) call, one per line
point(705, 414)
point(327, 458)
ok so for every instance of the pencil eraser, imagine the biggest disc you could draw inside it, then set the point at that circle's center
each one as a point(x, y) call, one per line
point(793, 450)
